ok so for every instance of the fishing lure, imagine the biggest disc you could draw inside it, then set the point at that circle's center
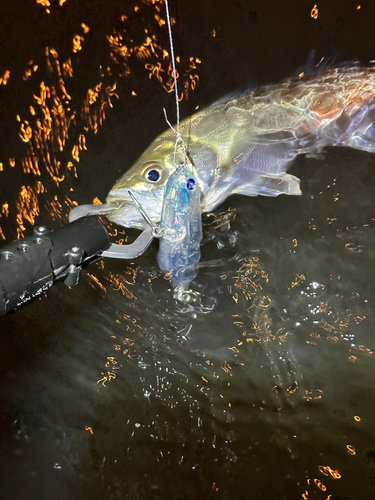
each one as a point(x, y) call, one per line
point(181, 228)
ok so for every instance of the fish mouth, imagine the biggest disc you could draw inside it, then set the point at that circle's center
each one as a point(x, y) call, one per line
point(119, 196)
point(128, 214)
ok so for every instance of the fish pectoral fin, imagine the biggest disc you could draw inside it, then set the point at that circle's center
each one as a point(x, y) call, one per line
point(271, 185)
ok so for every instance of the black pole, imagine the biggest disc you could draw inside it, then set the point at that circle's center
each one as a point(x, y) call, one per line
point(29, 267)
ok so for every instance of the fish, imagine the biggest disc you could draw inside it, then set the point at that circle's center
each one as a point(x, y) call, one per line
point(245, 144)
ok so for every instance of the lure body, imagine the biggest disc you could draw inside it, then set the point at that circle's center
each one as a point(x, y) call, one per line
point(181, 228)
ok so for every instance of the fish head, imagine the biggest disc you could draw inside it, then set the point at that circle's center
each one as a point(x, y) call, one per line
point(146, 180)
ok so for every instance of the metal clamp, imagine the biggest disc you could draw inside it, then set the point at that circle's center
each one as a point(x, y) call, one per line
point(75, 256)
point(115, 251)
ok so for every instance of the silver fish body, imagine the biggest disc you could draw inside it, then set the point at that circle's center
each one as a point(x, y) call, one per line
point(245, 145)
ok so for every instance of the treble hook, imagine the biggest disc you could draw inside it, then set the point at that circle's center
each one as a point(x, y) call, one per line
point(157, 231)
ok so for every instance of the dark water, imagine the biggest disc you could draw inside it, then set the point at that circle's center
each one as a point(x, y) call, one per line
point(111, 390)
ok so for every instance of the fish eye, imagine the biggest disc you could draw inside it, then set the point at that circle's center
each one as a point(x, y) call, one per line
point(153, 173)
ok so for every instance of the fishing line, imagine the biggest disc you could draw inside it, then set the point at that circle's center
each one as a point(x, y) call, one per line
point(179, 139)
point(173, 68)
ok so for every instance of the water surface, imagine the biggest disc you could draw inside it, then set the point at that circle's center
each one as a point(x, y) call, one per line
point(112, 390)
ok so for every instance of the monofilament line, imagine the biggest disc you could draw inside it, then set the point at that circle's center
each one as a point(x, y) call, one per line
point(173, 69)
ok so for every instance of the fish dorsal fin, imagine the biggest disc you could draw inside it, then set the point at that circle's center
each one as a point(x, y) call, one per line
point(235, 94)
point(332, 58)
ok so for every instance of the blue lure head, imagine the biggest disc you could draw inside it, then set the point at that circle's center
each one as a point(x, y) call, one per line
point(190, 184)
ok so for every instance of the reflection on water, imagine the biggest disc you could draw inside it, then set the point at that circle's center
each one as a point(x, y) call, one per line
point(119, 394)
point(113, 390)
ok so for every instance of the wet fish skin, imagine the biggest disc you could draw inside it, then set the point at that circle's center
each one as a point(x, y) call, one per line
point(245, 145)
